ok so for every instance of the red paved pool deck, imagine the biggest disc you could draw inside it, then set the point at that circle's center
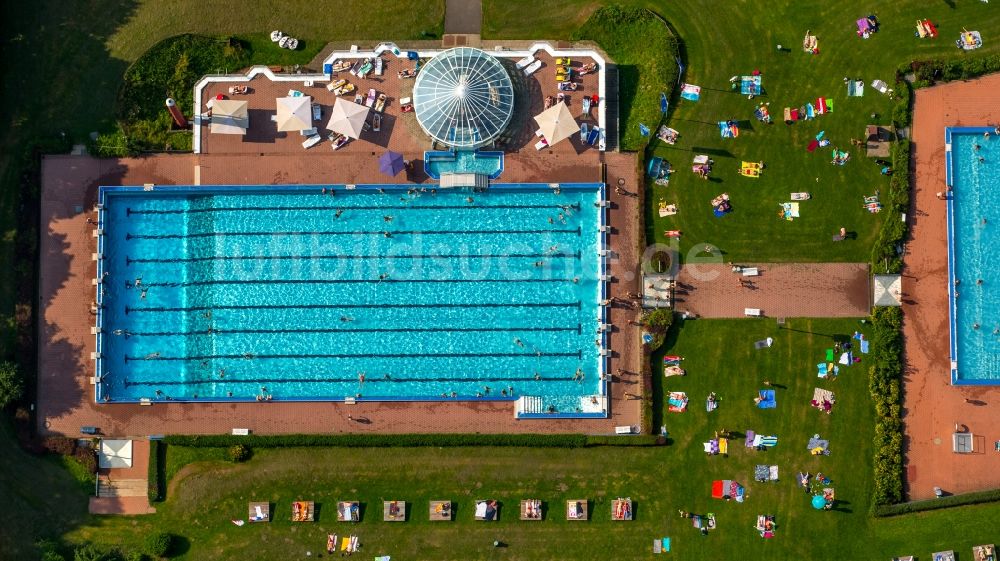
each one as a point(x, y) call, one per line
point(65, 400)
point(932, 407)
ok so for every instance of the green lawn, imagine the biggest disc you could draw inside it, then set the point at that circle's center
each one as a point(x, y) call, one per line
point(738, 38)
point(205, 493)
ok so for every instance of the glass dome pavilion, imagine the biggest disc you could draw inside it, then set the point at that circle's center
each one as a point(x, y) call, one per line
point(464, 98)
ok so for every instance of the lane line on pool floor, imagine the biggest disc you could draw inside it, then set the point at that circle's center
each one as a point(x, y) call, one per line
point(347, 306)
point(383, 233)
point(250, 356)
point(345, 208)
point(131, 261)
point(520, 329)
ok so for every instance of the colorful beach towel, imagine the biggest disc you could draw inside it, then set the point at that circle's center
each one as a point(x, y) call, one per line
point(789, 211)
point(750, 85)
point(691, 92)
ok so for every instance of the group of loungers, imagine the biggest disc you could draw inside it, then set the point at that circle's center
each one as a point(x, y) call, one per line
point(396, 511)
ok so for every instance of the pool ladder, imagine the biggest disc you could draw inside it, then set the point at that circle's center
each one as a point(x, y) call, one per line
point(529, 404)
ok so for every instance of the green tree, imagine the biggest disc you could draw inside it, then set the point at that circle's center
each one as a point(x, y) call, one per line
point(11, 384)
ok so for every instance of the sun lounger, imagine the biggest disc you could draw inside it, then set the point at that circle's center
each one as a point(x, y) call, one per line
point(486, 510)
point(531, 509)
point(532, 68)
point(393, 511)
point(440, 510)
point(348, 511)
point(621, 509)
point(525, 62)
point(259, 512)
point(302, 511)
point(576, 509)
point(594, 136)
point(541, 144)
point(311, 141)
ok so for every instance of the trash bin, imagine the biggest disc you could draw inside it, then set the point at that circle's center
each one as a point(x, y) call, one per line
point(938, 492)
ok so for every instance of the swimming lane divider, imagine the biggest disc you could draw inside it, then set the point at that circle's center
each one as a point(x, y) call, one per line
point(523, 329)
point(215, 282)
point(130, 261)
point(157, 309)
point(345, 208)
point(374, 380)
point(345, 233)
point(127, 358)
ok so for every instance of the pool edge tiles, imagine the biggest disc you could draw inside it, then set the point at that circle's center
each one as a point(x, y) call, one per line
point(953, 311)
point(595, 237)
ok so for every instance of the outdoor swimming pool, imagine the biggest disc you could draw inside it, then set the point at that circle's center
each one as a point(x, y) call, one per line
point(974, 251)
point(485, 163)
point(240, 293)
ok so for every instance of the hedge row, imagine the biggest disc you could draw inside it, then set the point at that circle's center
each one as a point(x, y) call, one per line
point(410, 440)
point(884, 385)
point(157, 456)
point(930, 72)
point(993, 495)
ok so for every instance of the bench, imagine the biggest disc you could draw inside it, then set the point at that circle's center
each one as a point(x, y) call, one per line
point(751, 272)
point(624, 429)
point(753, 312)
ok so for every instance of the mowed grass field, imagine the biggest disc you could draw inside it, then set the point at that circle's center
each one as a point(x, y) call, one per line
point(205, 492)
point(721, 40)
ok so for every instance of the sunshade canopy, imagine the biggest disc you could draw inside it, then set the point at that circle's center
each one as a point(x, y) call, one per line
point(229, 116)
point(348, 118)
point(115, 454)
point(887, 290)
point(557, 123)
point(294, 113)
point(391, 163)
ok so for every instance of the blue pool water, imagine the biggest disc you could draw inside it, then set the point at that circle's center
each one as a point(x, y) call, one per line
point(975, 250)
point(463, 161)
point(241, 289)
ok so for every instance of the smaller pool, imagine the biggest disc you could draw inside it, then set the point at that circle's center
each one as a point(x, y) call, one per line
point(483, 163)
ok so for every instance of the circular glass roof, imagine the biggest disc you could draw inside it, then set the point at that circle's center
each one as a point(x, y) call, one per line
point(463, 97)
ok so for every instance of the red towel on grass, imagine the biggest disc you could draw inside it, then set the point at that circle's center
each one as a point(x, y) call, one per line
point(813, 145)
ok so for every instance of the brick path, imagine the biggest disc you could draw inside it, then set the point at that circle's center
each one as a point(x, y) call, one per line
point(931, 405)
point(781, 290)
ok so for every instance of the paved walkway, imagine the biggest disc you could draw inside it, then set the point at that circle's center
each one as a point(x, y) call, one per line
point(124, 490)
point(463, 16)
point(931, 405)
point(781, 290)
